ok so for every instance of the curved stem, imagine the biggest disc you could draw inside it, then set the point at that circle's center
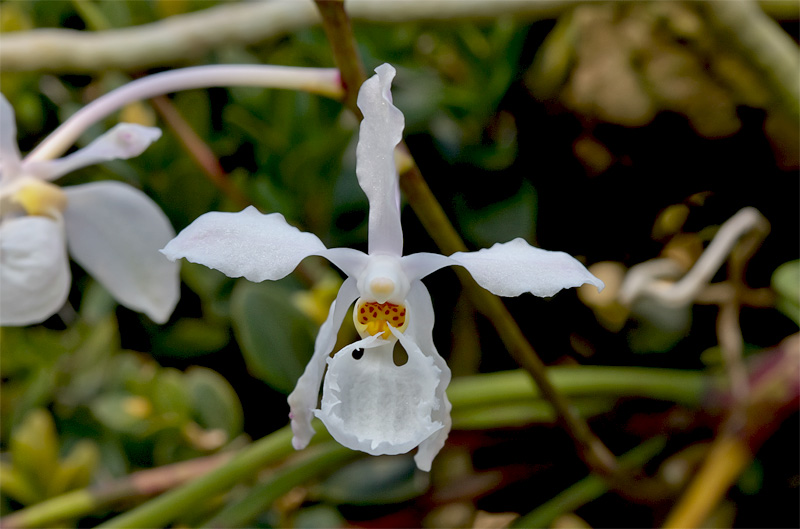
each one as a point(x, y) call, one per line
point(593, 452)
point(322, 81)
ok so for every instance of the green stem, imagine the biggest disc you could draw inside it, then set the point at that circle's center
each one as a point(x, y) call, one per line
point(685, 387)
point(587, 489)
point(523, 413)
point(481, 401)
point(162, 510)
point(79, 503)
point(241, 513)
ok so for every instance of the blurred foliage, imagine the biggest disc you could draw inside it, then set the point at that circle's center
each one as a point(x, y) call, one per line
point(617, 132)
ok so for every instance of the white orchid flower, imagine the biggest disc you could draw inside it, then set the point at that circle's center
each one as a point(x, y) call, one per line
point(112, 230)
point(368, 402)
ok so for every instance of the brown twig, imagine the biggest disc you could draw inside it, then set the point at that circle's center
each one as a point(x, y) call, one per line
point(198, 150)
point(340, 36)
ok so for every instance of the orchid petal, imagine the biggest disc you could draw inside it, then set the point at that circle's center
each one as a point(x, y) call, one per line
point(371, 404)
point(511, 268)
point(381, 130)
point(351, 262)
point(34, 269)
point(420, 330)
point(123, 141)
point(114, 231)
point(9, 151)
point(303, 400)
point(418, 265)
point(247, 244)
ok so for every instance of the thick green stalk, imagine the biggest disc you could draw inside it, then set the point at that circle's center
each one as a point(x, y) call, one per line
point(79, 503)
point(522, 413)
point(166, 508)
point(511, 394)
point(242, 512)
point(685, 387)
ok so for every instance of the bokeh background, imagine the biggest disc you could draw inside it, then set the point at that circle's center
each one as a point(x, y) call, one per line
point(617, 132)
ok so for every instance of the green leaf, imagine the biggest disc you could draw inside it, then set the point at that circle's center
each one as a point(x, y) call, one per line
point(170, 397)
point(214, 401)
point(375, 481)
point(76, 469)
point(192, 337)
point(276, 338)
point(786, 283)
point(123, 413)
point(502, 221)
point(34, 449)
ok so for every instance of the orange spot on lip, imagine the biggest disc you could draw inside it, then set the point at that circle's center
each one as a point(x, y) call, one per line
point(374, 318)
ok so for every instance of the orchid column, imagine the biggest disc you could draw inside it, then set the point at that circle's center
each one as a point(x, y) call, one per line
point(368, 402)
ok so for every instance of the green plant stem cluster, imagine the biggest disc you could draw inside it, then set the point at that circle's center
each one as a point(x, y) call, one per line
point(506, 393)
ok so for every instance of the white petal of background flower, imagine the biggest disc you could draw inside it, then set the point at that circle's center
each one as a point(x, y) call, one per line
point(511, 268)
point(123, 141)
point(246, 244)
point(371, 404)
point(34, 270)
point(381, 130)
point(114, 231)
point(9, 151)
point(303, 400)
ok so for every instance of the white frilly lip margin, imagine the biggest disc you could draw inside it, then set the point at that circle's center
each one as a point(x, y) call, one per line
point(371, 404)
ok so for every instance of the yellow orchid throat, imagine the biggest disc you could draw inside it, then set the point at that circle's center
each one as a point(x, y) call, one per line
point(40, 198)
point(371, 318)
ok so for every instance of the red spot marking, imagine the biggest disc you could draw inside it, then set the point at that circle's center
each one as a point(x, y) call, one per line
point(395, 318)
point(362, 310)
point(387, 312)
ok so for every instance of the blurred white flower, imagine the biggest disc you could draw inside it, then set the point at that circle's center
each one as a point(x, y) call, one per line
point(112, 230)
point(368, 402)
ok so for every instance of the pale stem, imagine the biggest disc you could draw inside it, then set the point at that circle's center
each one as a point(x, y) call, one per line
point(322, 81)
point(646, 279)
point(179, 37)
